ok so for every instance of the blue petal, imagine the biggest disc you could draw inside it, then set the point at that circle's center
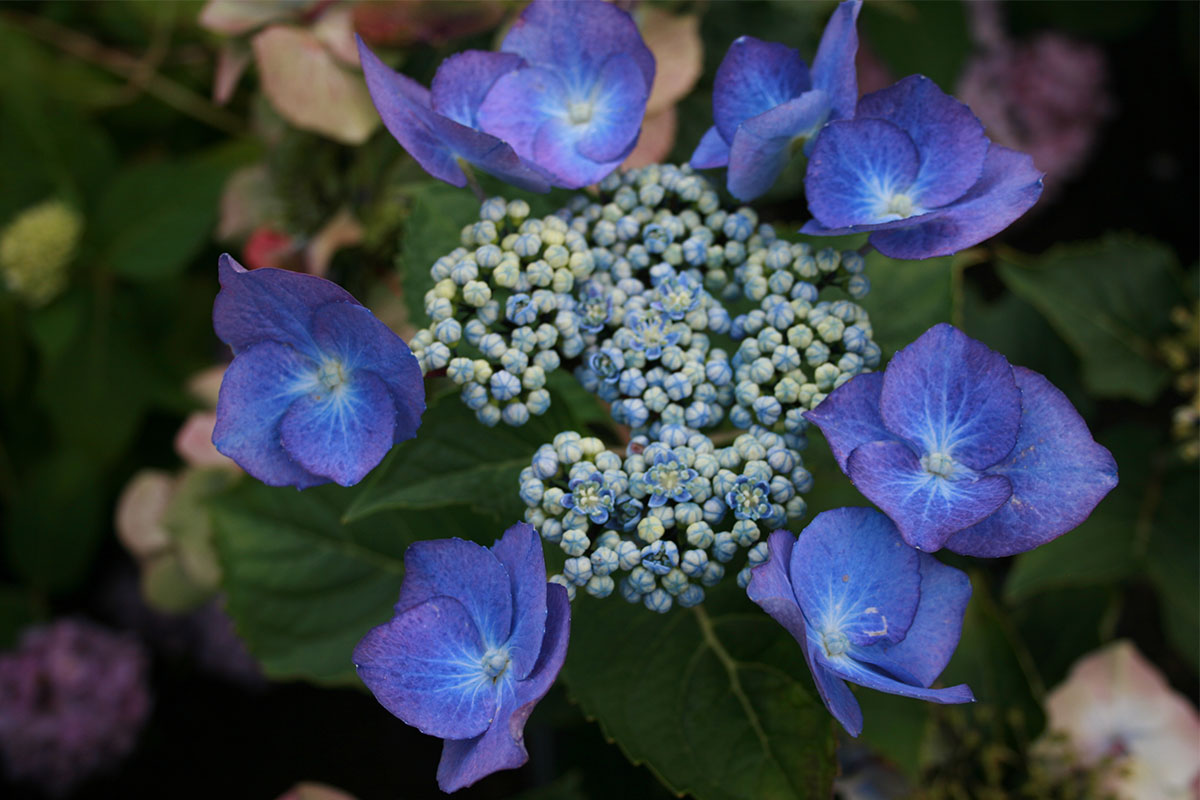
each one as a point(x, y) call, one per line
point(926, 508)
point(851, 670)
point(856, 167)
point(519, 103)
point(849, 416)
point(435, 141)
point(950, 394)
point(1008, 187)
point(576, 38)
point(762, 145)
point(558, 154)
point(836, 695)
point(425, 666)
point(404, 106)
point(466, 571)
point(713, 151)
point(833, 70)
point(852, 574)
point(815, 228)
point(619, 104)
point(502, 746)
point(949, 138)
point(1058, 474)
point(258, 389)
point(352, 334)
point(269, 304)
point(755, 76)
point(520, 552)
point(464, 79)
point(341, 434)
point(926, 648)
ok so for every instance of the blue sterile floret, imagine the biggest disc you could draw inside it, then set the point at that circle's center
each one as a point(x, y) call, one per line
point(319, 389)
point(767, 105)
point(963, 450)
point(865, 608)
point(590, 496)
point(477, 630)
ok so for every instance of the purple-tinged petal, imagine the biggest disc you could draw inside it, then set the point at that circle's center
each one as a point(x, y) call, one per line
point(618, 104)
point(755, 76)
point(466, 571)
point(713, 151)
point(927, 508)
point(953, 396)
point(502, 746)
point(269, 304)
point(256, 392)
point(426, 667)
point(854, 576)
point(931, 639)
point(857, 170)
point(435, 141)
point(815, 228)
point(849, 416)
point(464, 79)
point(353, 335)
point(519, 103)
point(763, 144)
point(1009, 186)
point(849, 669)
point(833, 70)
point(576, 38)
point(558, 155)
point(949, 138)
point(341, 433)
point(404, 106)
point(520, 552)
point(836, 695)
point(1058, 474)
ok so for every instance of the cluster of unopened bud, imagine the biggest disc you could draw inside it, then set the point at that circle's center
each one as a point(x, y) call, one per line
point(667, 519)
point(36, 249)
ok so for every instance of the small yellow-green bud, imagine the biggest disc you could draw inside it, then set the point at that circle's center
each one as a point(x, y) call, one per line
point(37, 247)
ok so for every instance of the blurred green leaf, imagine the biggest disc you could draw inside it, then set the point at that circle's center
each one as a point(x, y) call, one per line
point(1059, 625)
point(1109, 300)
point(302, 587)
point(54, 326)
point(154, 218)
point(895, 727)
point(907, 298)
point(923, 38)
point(17, 611)
point(1173, 562)
point(707, 698)
point(56, 520)
point(439, 213)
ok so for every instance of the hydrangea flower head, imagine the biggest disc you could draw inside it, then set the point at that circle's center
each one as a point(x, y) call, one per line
point(478, 638)
point(318, 389)
point(915, 169)
point(963, 450)
point(766, 103)
point(865, 608)
point(73, 698)
point(439, 127)
point(575, 107)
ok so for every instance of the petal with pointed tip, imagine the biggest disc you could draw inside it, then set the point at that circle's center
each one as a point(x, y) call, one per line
point(1058, 474)
point(948, 393)
point(713, 151)
point(849, 416)
point(833, 69)
point(425, 666)
point(849, 669)
point(754, 77)
point(926, 508)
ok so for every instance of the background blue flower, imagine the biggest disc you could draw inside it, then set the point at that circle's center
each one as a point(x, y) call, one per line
point(478, 638)
point(964, 451)
point(865, 607)
point(319, 389)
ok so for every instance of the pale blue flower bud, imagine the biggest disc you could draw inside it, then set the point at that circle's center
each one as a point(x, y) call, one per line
point(658, 600)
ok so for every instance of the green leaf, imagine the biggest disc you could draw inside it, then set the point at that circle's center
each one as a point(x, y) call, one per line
point(710, 698)
point(907, 298)
point(154, 218)
point(1172, 558)
point(302, 587)
point(1109, 300)
point(924, 38)
point(439, 213)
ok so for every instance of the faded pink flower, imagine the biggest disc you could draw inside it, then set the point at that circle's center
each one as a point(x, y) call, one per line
point(1118, 714)
point(314, 791)
point(679, 53)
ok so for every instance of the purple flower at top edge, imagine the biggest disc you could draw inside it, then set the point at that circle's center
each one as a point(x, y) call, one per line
point(575, 107)
point(865, 608)
point(319, 389)
point(915, 170)
point(963, 450)
point(766, 103)
point(478, 638)
point(439, 126)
